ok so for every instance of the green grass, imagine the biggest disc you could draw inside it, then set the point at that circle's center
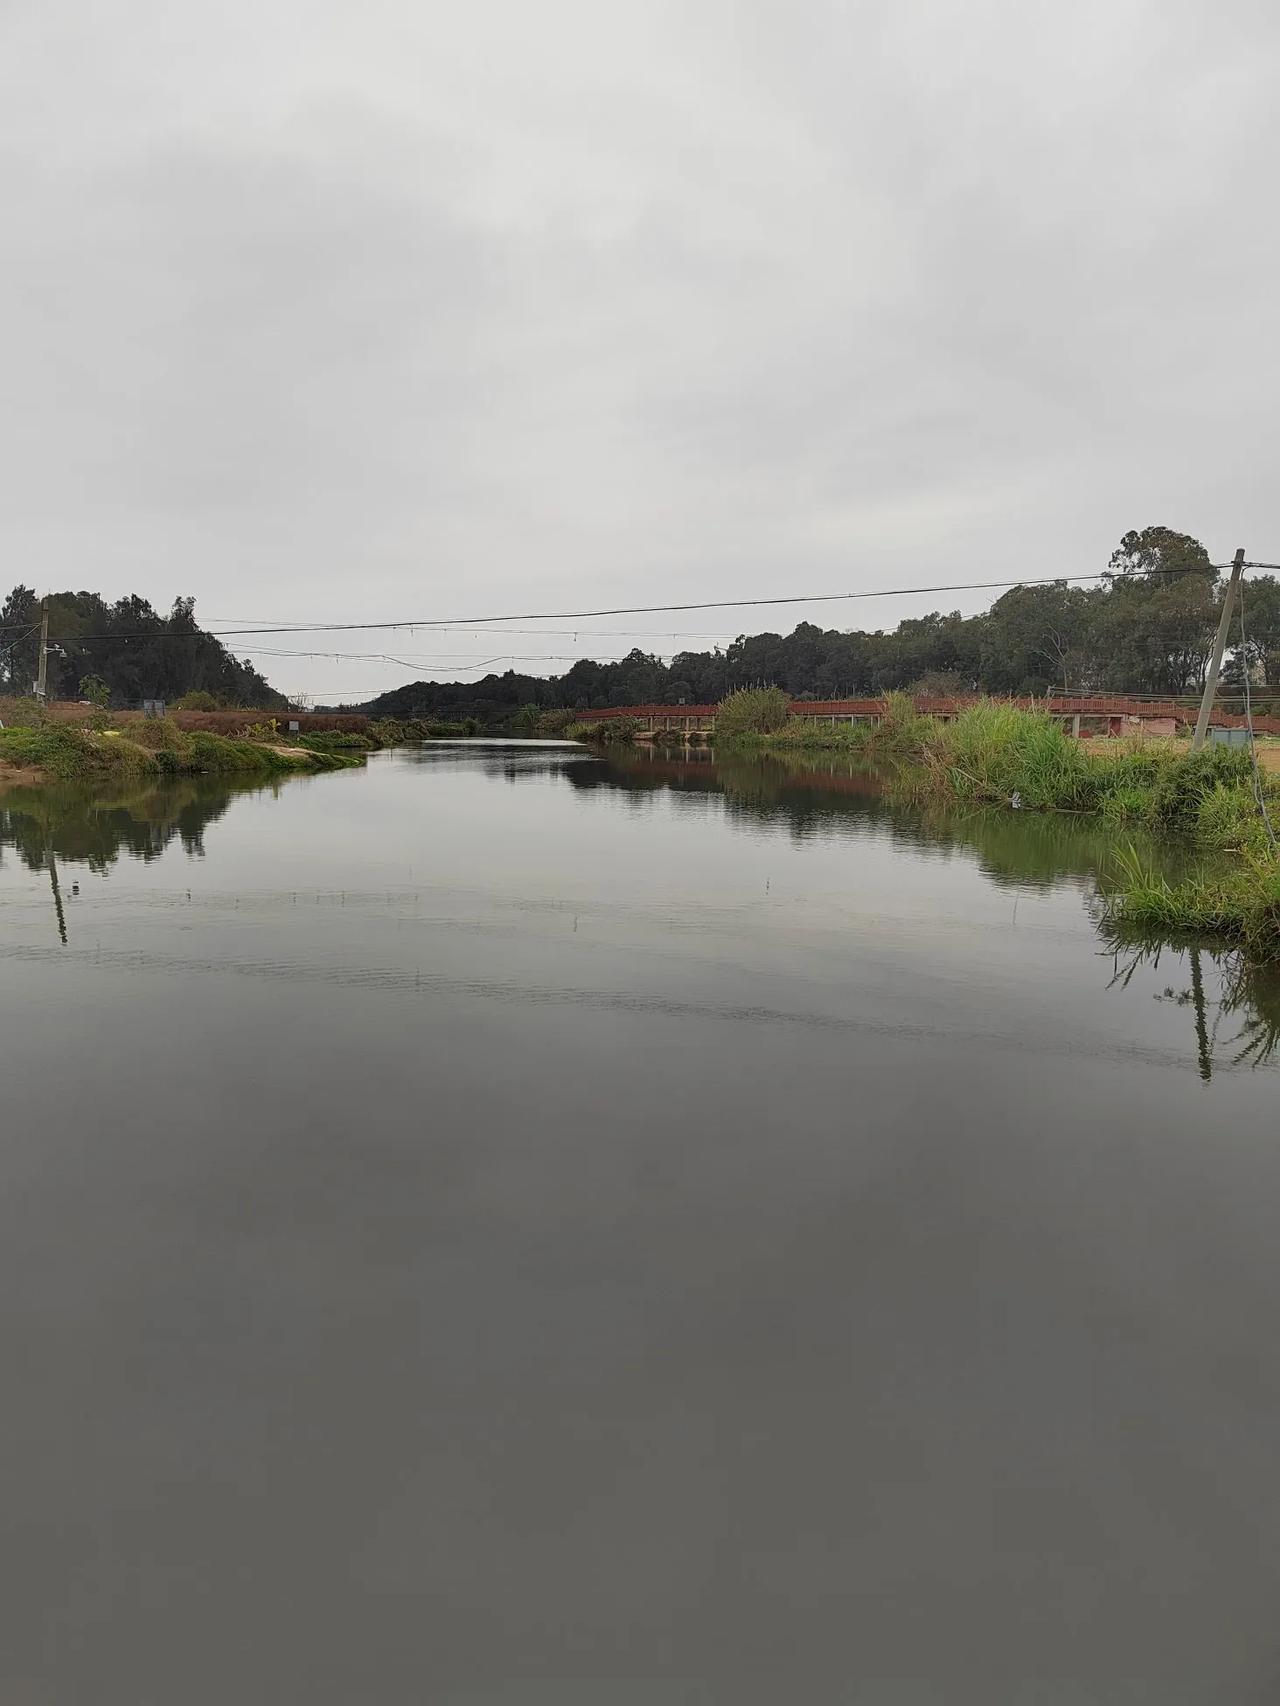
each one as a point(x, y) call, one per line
point(1239, 900)
point(753, 711)
point(995, 755)
point(604, 731)
point(148, 748)
point(804, 735)
point(399, 731)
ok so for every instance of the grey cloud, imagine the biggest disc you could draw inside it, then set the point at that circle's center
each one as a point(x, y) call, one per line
point(409, 309)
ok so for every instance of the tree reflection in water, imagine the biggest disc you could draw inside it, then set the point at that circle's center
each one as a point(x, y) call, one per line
point(43, 825)
point(84, 828)
point(1237, 1021)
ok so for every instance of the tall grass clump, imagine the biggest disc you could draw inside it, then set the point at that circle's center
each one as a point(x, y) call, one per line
point(902, 731)
point(1184, 785)
point(807, 734)
point(1239, 900)
point(992, 752)
point(401, 731)
point(331, 740)
point(753, 711)
point(604, 731)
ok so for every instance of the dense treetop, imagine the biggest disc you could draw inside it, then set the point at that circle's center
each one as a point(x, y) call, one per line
point(143, 656)
point(1147, 627)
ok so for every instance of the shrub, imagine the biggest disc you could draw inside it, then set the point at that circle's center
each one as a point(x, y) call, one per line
point(555, 722)
point(95, 690)
point(1184, 785)
point(155, 733)
point(753, 711)
point(1241, 901)
point(29, 713)
point(330, 740)
point(604, 731)
point(1122, 805)
point(1228, 819)
point(198, 700)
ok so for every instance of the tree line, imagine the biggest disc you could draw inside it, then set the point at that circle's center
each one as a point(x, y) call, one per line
point(1147, 627)
point(135, 653)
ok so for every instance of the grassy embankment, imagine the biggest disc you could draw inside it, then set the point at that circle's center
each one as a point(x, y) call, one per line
point(993, 753)
point(63, 753)
point(613, 731)
point(114, 746)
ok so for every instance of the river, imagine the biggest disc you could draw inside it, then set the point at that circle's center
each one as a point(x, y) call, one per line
point(510, 1226)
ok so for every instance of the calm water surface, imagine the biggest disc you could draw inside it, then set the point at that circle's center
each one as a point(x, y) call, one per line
point(502, 1226)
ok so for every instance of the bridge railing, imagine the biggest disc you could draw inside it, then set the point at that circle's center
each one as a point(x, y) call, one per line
point(1090, 708)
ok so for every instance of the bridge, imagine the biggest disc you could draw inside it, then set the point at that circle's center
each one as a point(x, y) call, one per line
point(1081, 714)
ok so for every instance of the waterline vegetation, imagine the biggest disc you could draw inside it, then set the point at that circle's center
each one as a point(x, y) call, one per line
point(102, 746)
point(1210, 802)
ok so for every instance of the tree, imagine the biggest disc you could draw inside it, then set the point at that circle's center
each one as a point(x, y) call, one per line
point(1147, 628)
point(1260, 596)
point(1161, 553)
point(95, 690)
point(1037, 638)
point(137, 652)
point(19, 640)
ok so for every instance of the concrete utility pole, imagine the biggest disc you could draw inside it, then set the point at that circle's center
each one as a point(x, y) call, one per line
point(42, 668)
point(1219, 646)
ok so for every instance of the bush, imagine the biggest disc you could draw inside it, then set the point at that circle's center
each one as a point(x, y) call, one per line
point(1228, 820)
point(95, 690)
point(1184, 785)
point(753, 711)
point(153, 732)
point(555, 722)
point(198, 701)
point(330, 740)
point(604, 731)
point(29, 713)
point(396, 731)
point(1241, 902)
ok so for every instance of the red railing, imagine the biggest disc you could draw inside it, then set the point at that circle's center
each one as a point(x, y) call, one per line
point(1059, 705)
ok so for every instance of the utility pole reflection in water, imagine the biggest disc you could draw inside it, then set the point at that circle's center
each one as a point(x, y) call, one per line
point(1202, 1029)
point(52, 864)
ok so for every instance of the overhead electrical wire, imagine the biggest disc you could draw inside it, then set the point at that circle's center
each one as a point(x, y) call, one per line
point(625, 609)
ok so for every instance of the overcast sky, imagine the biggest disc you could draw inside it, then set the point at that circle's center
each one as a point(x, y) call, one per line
point(328, 311)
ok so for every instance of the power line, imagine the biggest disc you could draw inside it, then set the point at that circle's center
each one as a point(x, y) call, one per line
point(462, 629)
point(652, 609)
point(630, 609)
point(634, 609)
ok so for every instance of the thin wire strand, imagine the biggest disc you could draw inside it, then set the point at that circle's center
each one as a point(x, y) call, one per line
point(634, 609)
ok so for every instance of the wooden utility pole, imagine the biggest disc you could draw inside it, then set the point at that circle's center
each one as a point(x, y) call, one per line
point(42, 668)
point(1219, 646)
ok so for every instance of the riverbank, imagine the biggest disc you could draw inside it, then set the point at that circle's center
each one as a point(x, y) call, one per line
point(1210, 801)
point(104, 744)
point(60, 753)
